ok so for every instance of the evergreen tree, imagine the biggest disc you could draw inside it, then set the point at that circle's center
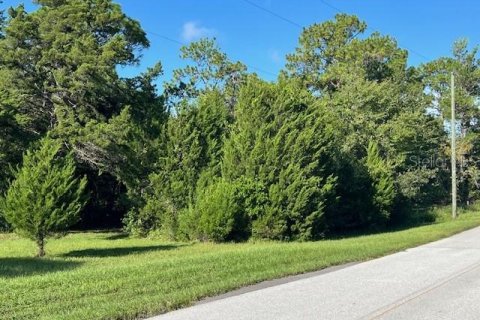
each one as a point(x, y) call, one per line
point(59, 75)
point(68, 67)
point(283, 140)
point(45, 197)
point(382, 181)
point(322, 46)
point(367, 84)
point(210, 70)
point(190, 159)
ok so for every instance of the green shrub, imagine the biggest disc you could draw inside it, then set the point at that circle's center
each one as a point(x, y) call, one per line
point(188, 228)
point(222, 216)
point(45, 197)
point(226, 209)
point(157, 216)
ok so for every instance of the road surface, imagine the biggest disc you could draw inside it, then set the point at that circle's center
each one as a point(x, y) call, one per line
point(440, 280)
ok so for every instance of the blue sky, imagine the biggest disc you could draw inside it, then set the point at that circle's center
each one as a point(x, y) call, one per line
point(261, 40)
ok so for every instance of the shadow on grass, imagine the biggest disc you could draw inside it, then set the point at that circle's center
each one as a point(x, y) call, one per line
point(17, 267)
point(411, 220)
point(117, 236)
point(117, 252)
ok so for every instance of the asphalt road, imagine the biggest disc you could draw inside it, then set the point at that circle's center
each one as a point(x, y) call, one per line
point(440, 280)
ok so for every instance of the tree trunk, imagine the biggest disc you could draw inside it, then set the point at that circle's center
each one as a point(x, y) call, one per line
point(41, 247)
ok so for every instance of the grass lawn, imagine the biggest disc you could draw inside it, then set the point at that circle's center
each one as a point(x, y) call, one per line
point(110, 276)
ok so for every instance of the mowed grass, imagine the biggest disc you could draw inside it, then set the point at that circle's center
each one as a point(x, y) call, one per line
point(111, 276)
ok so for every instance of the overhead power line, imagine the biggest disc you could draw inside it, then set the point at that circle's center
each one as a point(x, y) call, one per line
point(165, 37)
point(293, 23)
point(411, 50)
point(183, 44)
point(331, 7)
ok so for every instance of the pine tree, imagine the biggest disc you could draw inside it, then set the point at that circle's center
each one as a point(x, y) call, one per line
point(45, 197)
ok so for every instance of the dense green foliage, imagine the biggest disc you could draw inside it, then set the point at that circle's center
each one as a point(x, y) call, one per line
point(110, 276)
point(221, 213)
point(466, 67)
point(62, 78)
point(45, 196)
point(283, 140)
point(348, 138)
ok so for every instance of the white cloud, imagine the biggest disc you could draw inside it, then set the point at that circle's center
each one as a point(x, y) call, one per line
point(191, 31)
point(276, 56)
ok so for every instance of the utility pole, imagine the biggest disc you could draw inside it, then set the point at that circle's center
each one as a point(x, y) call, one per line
point(453, 148)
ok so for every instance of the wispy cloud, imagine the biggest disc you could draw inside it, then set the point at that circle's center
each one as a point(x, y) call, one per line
point(267, 3)
point(275, 56)
point(192, 31)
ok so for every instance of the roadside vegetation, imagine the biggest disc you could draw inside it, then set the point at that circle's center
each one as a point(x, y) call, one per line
point(99, 275)
point(216, 177)
point(348, 138)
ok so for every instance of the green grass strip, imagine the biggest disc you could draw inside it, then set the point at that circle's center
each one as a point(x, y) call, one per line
point(108, 276)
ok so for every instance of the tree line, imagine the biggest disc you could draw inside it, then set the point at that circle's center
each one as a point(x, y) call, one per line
point(348, 137)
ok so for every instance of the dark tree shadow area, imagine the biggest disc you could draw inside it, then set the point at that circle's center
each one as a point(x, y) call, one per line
point(399, 222)
point(17, 267)
point(121, 251)
point(117, 236)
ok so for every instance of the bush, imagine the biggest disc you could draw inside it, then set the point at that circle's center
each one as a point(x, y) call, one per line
point(45, 197)
point(226, 209)
point(157, 216)
point(188, 228)
point(222, 216)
